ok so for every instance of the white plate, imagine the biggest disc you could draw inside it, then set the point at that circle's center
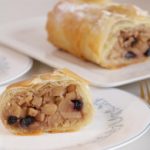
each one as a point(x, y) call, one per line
point(12, 65)
point(117, 122)
point(30, 37)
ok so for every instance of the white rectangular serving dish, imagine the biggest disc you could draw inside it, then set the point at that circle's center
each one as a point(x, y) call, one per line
point(29, 37)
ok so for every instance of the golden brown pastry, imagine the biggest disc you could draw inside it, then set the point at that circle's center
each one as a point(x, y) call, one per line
point(52, 102)
point(109, 34)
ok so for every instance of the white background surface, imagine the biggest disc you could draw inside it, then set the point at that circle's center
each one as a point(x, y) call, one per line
point(14, 10)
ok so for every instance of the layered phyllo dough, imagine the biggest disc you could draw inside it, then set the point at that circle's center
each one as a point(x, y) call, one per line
point(109, 34)
point(52, 102)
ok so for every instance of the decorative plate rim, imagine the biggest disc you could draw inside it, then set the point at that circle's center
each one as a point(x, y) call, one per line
point(21, 72)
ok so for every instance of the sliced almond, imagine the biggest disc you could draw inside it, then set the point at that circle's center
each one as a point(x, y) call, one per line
point(49, 109)
point(71, 96)
point(47, 99)
point(21, 101)
point(29, 97)
point(44, 90)
point(40, 117)
point(55, 120)
point(67, 111)
point(23, 98)
point(37, 101)
point(15, 110)
point(58, 91)
point(32, 112)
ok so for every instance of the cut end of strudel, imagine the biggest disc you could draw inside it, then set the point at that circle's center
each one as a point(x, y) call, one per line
point(52, 102)
point(109, 34)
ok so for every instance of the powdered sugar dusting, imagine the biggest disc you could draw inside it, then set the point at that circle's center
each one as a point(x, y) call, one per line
point(76, 7)
point(80, 10)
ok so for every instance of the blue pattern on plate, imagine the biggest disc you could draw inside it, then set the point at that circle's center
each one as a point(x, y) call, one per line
point(3, 64)
point(114, 120)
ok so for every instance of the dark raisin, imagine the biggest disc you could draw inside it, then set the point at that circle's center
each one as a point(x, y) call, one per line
point(78, 104)
point(12, 120)
point(25, 122)
point(130, 55)
point(147, 53)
